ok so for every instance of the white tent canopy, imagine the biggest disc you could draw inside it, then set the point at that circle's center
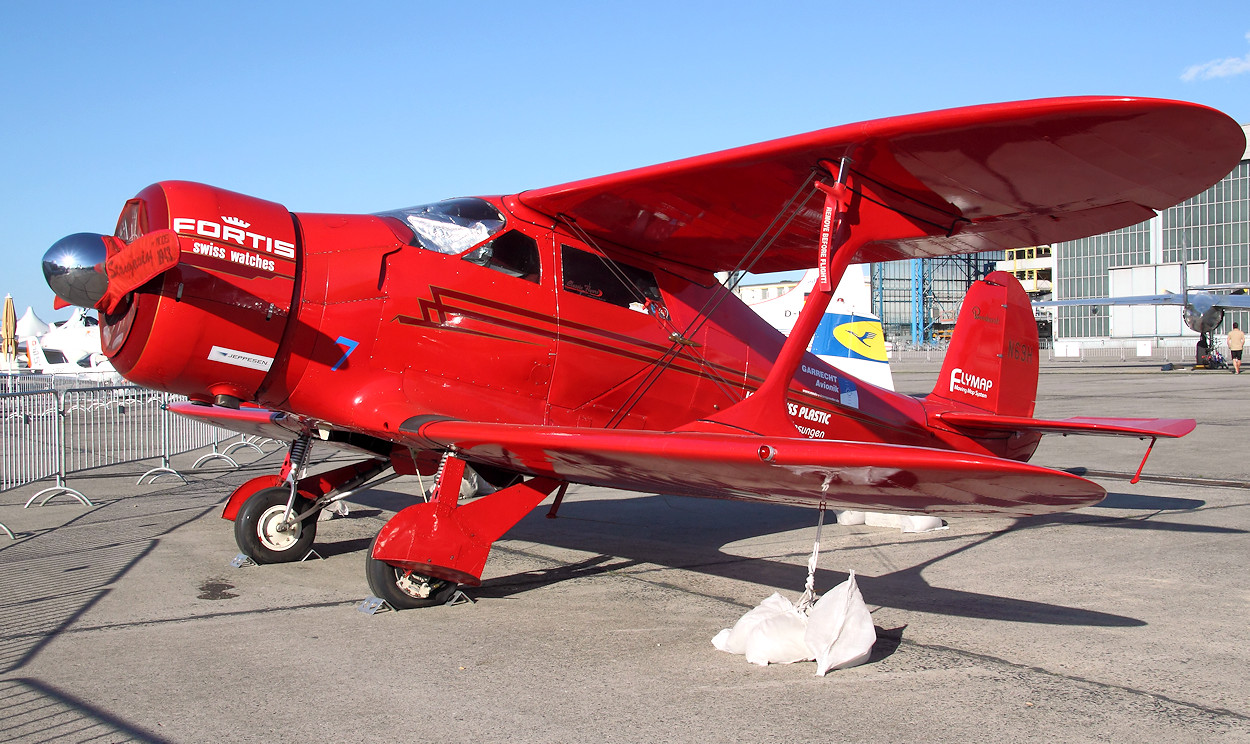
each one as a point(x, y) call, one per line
point(30, 324)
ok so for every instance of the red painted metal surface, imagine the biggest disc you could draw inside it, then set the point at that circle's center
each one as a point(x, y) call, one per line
point(211, 325)
point(245, 492)
point(854, 475)
point(452, 542)
point(970, 179)
point(1139, 427)
point(259, 422)
point(515, 350)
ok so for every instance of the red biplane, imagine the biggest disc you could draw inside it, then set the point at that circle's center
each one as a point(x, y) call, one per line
point(578, 333)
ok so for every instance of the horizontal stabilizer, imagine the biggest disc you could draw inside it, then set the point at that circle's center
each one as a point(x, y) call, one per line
point(855, 475)
point(1134, 427)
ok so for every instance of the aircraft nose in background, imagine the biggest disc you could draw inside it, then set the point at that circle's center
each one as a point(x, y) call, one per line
point(74, 268)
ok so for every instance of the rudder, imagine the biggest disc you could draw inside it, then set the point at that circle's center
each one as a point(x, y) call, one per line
point(991, 363)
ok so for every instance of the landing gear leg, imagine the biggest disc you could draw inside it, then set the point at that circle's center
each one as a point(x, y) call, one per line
point(275, 516)
point(420, 556)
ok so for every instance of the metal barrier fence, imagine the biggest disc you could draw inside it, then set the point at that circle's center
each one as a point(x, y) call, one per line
point(29, 437)
point(1157, 354)
point(53, 433)
point(24, 382)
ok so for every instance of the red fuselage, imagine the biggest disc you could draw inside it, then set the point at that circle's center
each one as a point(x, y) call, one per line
point(361, 322)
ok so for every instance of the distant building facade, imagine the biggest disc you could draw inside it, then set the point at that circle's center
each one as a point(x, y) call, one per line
point(1205, 239)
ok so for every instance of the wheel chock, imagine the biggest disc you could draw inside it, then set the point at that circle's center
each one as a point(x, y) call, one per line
point(458, 598)
point(373, 605)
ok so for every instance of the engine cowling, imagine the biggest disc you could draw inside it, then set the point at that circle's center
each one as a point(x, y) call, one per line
point(208, 327)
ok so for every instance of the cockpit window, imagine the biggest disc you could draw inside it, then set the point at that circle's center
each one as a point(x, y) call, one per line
point(514, 253)
point(611, 281)
point(450, 226)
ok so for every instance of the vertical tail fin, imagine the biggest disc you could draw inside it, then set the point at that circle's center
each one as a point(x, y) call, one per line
point(992, 362)
point(35, 358)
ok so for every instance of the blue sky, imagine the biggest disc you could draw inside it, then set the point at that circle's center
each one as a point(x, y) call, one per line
point(383, 105)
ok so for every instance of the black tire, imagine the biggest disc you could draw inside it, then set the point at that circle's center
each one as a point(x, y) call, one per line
point(254, 527)
point(405, 590)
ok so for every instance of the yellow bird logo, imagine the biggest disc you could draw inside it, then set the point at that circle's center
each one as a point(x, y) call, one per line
point(863, 338)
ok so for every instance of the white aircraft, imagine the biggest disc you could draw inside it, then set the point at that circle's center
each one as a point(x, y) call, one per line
point(70, 347)
point(850, 337)
point(1203, 305)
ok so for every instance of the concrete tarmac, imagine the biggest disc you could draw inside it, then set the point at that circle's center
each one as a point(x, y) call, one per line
point(1124, 621)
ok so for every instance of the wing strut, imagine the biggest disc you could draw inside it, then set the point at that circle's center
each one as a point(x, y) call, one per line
point(765, 411)
point(1137, 476)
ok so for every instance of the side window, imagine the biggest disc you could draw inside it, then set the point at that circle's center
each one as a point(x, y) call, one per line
point(514, 253)
point(620, 284)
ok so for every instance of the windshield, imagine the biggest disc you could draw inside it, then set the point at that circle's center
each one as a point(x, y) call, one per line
point(450, 226)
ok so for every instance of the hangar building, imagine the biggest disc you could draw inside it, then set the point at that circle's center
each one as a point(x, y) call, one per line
point(1208, 235)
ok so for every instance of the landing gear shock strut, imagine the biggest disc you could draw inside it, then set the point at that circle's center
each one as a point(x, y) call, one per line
point(275, 516)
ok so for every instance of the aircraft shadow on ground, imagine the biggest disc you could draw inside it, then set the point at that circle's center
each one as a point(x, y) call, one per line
point(1142, 502)
point(328, 549)
point(625, 535)
point(631, 533)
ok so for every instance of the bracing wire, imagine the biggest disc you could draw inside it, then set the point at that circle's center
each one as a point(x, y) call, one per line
point(757, 251)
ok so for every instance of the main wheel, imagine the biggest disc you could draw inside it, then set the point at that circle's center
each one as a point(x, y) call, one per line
point(256, 527)
point(405, 590)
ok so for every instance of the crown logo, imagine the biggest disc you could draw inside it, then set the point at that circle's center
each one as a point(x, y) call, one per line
point(236, 222)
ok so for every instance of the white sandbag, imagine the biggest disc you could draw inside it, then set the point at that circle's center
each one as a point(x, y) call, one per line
point(772, 633)
point(904, 522)
point(840, 632)
point(734, 640)
point(849, 517)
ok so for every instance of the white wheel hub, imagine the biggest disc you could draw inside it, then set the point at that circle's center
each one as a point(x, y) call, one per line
point(414, 584)
point(270, 536)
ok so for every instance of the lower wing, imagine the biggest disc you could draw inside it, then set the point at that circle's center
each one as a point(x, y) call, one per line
point(875, 477)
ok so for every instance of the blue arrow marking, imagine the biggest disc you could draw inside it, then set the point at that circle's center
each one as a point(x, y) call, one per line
point(350, 345)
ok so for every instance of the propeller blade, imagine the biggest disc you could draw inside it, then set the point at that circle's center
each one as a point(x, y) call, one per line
point(134, 265)
point(91, 270)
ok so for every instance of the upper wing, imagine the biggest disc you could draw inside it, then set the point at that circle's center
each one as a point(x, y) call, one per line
point(956, 181)
point(875, 477)
point(1232, 301)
